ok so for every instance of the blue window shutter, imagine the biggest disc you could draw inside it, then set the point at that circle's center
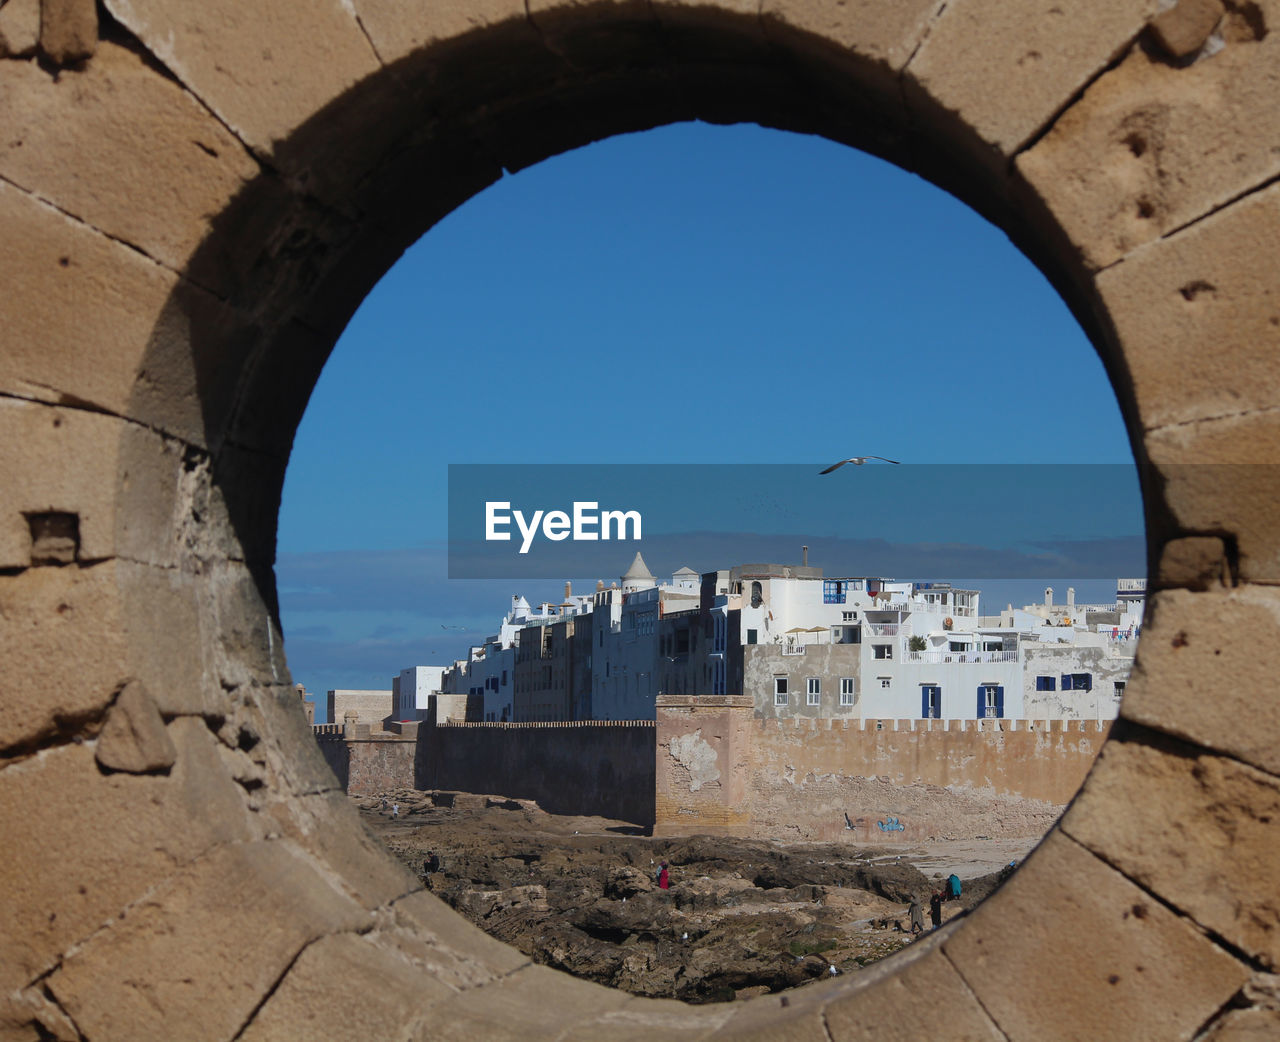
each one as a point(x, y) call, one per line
point(924, 702)
point(1088, 681)
point(982, 703)
point(1000, 702)
point(1066, 681)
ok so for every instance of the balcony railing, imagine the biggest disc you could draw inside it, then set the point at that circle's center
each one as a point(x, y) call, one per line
point(935, 657)
point(883, 629)
point(793, 649)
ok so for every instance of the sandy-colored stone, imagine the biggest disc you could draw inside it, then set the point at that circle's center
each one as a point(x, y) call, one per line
point(1152, 147)
point(1126, 967)
point(1039, 54)
point(93, 843)
point(229, 925)
point(397, 28)
point(646, 1019)
point(288, 748)
point(902, 1017)
point(1208, 285)
point(65, 650)
point(886, 35)
point(533, 1002)
point(134, 738)
point(146, 132)
point(1183, 29)
point(463, 955)
point(1199, 675)
point(1204, 835)
point(19, 28)
point(1245, 1025)
point(326, 994)
point(1195, 563)
point(68, 30)
point(264, 69)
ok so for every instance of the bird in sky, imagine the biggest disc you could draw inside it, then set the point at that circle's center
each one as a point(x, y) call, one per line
point(857, 461)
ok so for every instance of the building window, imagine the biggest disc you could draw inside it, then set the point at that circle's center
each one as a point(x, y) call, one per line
point(848, 616)
point(1046, 684)
point(1077, 681)
point(751, 636)
point(990, 701)
point(883, 651)
point(846, 691)
point(832, 591)
point(757, 594)
point(814, 695)
point(1119, 688)
point(930, 701)
point(780, 691)
point(885, 682)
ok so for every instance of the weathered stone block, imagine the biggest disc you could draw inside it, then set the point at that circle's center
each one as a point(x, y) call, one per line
point(19, 28)
point(885, 35)
point(228, 925)
point(1245, 1025)
point(252, 65)
point(1151, 147)
point(901, 1017)
point(398, 28)
point(288, 747)
point(457, 952)
point(532, 1002)
point(1198, 674)
point(642, 1019)
point(1195, 563)
point(65, 652)
point(1209, 284)
point(1183, 29)
point(1102, 957)
point(1004, 71)
point(76, 140)
point(68, 30)
point(348, 987)
point(1203, 836)
point(110, 838)
point(134, 738)
point(72, 462)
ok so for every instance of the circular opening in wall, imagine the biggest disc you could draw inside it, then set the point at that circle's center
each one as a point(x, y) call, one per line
point(890, 535)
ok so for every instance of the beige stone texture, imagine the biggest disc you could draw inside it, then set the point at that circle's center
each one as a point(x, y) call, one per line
point(1039, 54)
point(265, 69)
point(1185, 27)
point(1245, 1025)
point(461, 954)
point(1205, 836)
point(1210, 284)
point(1199, 673)
point(93, 843)
point(161, 165)
point(902, 1017)
point(19, 28)
point(1195, 563)
point(533, 1002)
point(642, 1019)
point(1151, 147)
point(398, 28)
point(288, 748)
point(68, 30)
point(65, 651)
point(326, 995)
point(231, 923)
point(134, 738)
point(883, 34)
point(1116, 973)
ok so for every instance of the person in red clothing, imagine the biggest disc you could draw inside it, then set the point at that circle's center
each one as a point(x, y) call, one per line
point(664, 877)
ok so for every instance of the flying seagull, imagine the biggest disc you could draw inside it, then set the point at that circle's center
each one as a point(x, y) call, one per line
point(857, 461)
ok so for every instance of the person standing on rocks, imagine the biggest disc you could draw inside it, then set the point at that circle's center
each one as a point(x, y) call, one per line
point(917, 916)
point(935, 909)
point(664, 877)
point(953, 887)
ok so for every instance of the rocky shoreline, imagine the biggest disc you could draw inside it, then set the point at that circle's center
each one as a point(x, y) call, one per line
point(741, 918)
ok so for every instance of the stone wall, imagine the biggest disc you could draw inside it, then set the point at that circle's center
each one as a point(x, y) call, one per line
point(721, 769)
point(369, 765)
point(604, 768)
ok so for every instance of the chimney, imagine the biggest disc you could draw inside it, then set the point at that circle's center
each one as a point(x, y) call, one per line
point(1048, 596)
point(804, 556)
point(568, 590)
point(599, 585)
point(1071, 598)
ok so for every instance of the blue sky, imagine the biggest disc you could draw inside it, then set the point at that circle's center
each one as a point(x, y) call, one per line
point(693, 294)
